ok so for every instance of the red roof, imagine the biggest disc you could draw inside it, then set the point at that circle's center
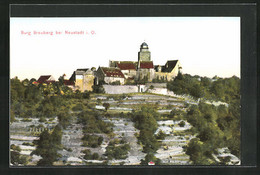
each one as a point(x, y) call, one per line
point(68, 83)
point(43, 79)
point(151, 163)
point(146, 65)
point(126, 65)
point(112, 72)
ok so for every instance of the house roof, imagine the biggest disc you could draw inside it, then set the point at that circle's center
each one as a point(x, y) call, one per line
point(151, 163)
point(146, 65)
point(84, 69)
point(68, 83)
point(126, 65)
point(112, 72)
point(169, 66)
point(43, 78)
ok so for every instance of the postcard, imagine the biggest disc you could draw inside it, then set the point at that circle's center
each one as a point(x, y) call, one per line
point(144, 91)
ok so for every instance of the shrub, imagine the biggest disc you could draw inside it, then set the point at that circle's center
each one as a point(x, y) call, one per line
point(182, 124)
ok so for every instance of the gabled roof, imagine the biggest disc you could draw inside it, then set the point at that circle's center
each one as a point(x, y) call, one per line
point(112, 72)
point(68, 83)
point(43, 79)
point(146, 65)
point(169, 66)
point(126, 65)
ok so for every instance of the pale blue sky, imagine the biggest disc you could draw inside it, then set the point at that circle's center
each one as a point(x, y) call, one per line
point(205, 46)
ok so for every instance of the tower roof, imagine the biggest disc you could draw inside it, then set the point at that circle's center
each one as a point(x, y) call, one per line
point(144, 45)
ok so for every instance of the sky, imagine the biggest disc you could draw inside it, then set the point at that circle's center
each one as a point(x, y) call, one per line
point(205, 46)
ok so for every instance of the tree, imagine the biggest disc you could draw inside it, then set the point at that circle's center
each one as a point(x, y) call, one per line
point(182, 124)
point(95, 156)
point(150, 157)
point(161, 135)
point(15, 155)
point(106, 106)
point(64, 118)
point(47, 146)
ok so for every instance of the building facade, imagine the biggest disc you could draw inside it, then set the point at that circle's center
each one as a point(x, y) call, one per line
point(83, 79)
point(121, 72)
point(168, 71)
point(110, 75)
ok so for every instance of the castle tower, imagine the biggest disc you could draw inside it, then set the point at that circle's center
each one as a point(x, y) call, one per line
point(144, 54)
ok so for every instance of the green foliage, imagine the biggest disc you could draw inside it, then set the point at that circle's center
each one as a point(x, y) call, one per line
point(43, 100)
point(161, 135)
point(77, 107)
point(16, 158)
point(197, 152)
point(150, 157)
point(176, 113)
point(89, 156)
point(98, 88)
point(217, 127)
point(182, 124)
point(220, 89)
point(92, 124)
point(28, 144)
point(145, 121)
point(42, 119)
point(186, 84)
point(106, 106)
point(92, 140)
point(47, 146)
point(26, 120)
point(115, 83)
point(64, 118)
point(114, 151)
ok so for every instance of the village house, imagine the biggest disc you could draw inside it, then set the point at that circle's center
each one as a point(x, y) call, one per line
point(83, 79)
point(128, 68)
point(47, 79)
point(168, 71)
point(110, 75)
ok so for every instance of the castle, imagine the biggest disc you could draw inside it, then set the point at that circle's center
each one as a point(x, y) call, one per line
point(126, 72)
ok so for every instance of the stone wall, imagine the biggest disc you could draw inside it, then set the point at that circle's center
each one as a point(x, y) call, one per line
point(156, 85)
point(162, 91)
point(117, 89)
point(159, 88)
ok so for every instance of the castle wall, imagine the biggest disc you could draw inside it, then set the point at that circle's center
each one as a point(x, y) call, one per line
point(117, 89)
point(114, 79)
point(162, 91)
point(159, 88)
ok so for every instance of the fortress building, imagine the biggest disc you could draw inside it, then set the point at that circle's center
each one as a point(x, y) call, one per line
point(145, 69)
point(144, 54)
point(121, 72)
